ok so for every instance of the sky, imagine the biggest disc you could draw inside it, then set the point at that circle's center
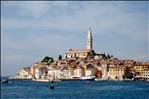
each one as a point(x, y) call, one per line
point(31, 30)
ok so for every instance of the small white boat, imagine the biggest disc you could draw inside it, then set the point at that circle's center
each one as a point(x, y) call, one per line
point(46, 80)
point(87, 77)
point(41, 80)
point(96, 79)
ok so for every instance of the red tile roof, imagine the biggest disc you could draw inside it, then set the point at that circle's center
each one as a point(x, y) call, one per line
point(71, 51)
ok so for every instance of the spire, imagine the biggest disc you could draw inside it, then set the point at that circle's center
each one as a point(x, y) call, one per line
point(89, 39)
point(89, 29)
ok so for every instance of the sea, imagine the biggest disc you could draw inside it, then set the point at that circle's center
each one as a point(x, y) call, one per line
point(27, 89)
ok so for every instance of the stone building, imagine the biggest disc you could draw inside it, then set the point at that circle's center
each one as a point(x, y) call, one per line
point(117, 73)
point(82, 53)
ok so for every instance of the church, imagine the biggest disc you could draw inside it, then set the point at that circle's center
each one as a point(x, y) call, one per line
point(82, 53)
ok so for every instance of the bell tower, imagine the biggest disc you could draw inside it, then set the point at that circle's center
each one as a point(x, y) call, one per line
point(89, 40)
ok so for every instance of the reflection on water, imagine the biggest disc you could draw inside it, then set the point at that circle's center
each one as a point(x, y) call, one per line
point(76, 90)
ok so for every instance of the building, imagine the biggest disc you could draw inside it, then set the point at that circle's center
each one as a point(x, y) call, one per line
point(142, 71)
point(54, 73)
point(24, 73)
point(104, 69)
point(140, 68)
point(89, 69)
point(38, 73)
point(78, 72)
point(82, 53)
point(145, 74)
point(116, 73)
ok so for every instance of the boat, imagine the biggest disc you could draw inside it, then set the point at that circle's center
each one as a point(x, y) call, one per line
point(52, 86)
point(96, 79)
point(41, 80)
point(5, 81)
point(87, 78)
point(46, 80)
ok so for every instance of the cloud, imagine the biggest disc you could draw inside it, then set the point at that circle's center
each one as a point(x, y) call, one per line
point(35, 9)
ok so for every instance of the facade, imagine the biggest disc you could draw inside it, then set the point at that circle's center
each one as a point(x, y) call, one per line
point(66, 74)
point(24, 74)
point(116, 73)
point(82, 53)
point(38, 73)
point(89, 70)
point(104, 69)
point(140, 68)
point(78, 72)
point(32, 69)
point(145, 74)
point(54, 74)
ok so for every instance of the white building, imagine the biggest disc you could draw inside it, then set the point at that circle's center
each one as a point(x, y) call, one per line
point(66, 74)
point(77, 72)
point(54, 73)
point(145, 74)
point(104, 69)
point(38, 73)
point(24, 74)
point(89, 70)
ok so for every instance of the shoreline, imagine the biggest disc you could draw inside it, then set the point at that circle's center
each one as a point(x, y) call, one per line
point(46, 80)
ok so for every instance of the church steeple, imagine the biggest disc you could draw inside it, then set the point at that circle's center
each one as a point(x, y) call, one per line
point(89, 40)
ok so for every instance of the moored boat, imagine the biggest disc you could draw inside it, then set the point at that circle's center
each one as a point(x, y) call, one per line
point(41, 80)
point(5, 81)
point(87, 78)
point(46, 80)
point(96, 79)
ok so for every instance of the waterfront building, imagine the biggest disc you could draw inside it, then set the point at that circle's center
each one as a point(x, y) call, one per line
point(139, 68)
point(104, 69)
point(38, 73)
point(24, 73)
point(67, 74)
point(82, 53)
point(116, 73)
point(145, 74)
point(78, 72)
point(44, 71)
point(89, 69)
point(54, 73)
point(32, 69)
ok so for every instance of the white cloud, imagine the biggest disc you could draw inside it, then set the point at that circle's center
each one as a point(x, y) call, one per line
point(35, 9)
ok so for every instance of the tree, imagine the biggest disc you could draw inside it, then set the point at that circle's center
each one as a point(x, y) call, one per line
point(47, 59)
point(60, 57)
point(108, 56)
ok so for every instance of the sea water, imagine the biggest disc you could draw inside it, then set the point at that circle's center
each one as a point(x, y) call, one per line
point(27, 89)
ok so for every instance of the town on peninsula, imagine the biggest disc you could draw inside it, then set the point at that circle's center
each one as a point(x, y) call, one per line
point(85, 64)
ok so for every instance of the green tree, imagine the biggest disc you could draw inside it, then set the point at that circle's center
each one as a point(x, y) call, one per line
point(47, 59)
point(60, 57)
